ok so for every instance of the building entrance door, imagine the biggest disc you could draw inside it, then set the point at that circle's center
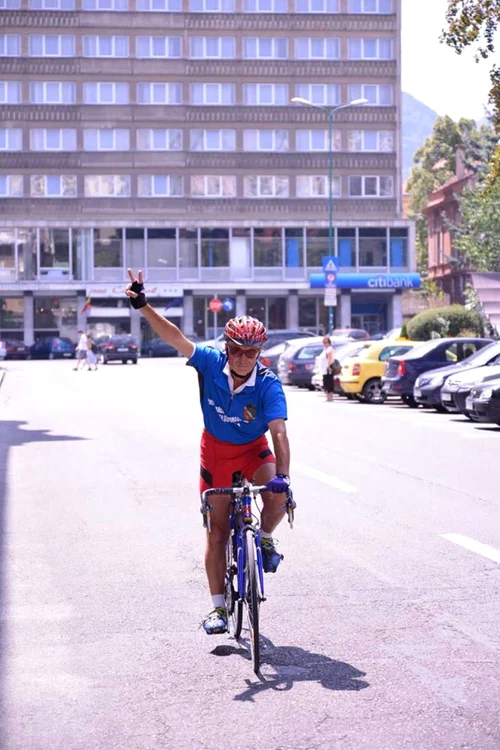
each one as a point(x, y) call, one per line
point(371, 322)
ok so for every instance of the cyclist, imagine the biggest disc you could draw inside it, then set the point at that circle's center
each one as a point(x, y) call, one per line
point(240, 400)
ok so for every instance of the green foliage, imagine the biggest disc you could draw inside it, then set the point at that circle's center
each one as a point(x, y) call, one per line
point(445, 321)
point(477, 236)
point(404, 332)
point(474, 22)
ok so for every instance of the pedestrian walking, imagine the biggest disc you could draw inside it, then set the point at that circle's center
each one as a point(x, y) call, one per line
point(326, 361)
point(91, 357)
point(81, 350)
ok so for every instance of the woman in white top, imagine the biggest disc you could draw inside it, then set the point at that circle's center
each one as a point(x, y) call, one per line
point(325, 361)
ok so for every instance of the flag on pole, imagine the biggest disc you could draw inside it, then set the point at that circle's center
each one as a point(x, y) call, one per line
point(87, 305)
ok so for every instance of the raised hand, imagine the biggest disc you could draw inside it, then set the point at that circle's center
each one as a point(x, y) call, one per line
point(135, 290)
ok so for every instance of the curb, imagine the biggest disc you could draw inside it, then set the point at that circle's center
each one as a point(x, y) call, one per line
point(2, 375)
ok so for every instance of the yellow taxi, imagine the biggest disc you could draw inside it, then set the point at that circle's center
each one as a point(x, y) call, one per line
point(361, 376)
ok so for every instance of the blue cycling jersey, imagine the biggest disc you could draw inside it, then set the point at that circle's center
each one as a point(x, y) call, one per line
point(236, 417)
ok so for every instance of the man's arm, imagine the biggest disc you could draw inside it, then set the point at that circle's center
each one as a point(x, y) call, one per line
point(160, 325)
point(281, 446)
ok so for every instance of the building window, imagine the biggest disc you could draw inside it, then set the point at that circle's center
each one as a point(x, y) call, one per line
point(265, 93)
point(52, 45)
point(170, 6)
point(213, 140)
point(316, 186)
point(212, 93)
point(327, 94)
point(312, 48)
point(53, 139)
point(105, 46)
point(372, 247)
point(265, 6)
point(107, 186)
point(159, 186)
point(370, 6)
point(317, 140)
point(52, 4)
point(106, 139)
point(11, 139)
point(267, 252)
point(10, 92)
point(370, 49)
point(55, 248)
point(104, 5)
point(377, 94)
point(371, 140)
point(371, 186)
point(211, 6)
point(158, 46)
point(11, 308)
point(10, 4)
point(316, 6)
point(265, 140)
point(214, 248)
point(159, 93)
point(152, 139)
point(10, 45)
point(105, 93)
point(265, 186)
point(265, 48)
point(213, 186)
point(52, 92)
point(399, 247)
point(53, 186)
point(108, 248)
point(11, 186)
point(212, 47)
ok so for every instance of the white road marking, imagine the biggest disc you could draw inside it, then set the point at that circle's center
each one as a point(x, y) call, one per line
point(328, 479)
point(474, 546)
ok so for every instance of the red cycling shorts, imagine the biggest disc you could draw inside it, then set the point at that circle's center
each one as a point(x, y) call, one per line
point(219, 460)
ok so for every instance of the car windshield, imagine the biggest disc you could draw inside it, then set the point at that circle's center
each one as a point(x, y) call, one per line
point(483, 356)
point(123, 339)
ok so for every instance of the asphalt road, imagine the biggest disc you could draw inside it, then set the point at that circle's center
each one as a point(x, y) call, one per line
point(380, 631)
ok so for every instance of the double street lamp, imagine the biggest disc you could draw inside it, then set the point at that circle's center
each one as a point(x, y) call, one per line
point(330, 111)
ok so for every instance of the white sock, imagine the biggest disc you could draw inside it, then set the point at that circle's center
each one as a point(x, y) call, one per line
point(265, 535)
point(218, 601)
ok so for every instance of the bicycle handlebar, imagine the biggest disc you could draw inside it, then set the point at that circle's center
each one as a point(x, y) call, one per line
point(249, 489)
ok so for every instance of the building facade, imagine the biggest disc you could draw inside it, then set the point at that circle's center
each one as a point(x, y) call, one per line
point(160, 134)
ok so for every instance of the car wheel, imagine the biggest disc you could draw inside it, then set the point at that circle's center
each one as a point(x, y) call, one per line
point(441, 409)
point(150, 353)
point(373, 393)
point(104, 361)
point(124, 361)
point(134, 361)
point(349, 396)
point(409, 401)
point(51, 355)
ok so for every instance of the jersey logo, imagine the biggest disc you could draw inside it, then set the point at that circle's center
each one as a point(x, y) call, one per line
point(249, 412)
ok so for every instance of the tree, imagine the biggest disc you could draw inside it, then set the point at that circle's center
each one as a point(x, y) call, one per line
point(435, 164)
point(474, 22)
point(476, 237)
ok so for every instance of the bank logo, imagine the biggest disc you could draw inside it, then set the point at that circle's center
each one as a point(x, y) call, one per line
point(391, 282)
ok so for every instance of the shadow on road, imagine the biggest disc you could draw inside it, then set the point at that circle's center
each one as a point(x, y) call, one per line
point(292, 664)
point(12, 435)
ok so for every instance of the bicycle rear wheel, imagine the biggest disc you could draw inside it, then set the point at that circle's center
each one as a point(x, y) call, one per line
point(234, 605)
point(252, 600)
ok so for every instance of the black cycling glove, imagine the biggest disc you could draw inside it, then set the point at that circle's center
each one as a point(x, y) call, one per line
point(140, 300)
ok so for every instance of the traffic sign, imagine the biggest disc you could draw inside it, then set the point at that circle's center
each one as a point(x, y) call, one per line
point(228, 304)
point(215, 305)
point(330, 263)
point(330, 298)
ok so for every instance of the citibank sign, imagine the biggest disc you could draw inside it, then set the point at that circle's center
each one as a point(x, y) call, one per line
point(384, 281)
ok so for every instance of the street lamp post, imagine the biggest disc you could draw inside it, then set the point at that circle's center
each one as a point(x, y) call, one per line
point(330, 114)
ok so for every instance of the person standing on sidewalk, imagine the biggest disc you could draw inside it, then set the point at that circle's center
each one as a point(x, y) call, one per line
point(81, 350)
point(326, 360)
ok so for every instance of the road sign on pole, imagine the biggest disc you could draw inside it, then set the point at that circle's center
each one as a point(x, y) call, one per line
point(215, 305)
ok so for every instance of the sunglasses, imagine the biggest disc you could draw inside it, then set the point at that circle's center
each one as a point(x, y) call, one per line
point(238, 351)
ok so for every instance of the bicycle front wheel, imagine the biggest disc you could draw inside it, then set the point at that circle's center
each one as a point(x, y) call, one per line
point(234, 605)
point(252, 600)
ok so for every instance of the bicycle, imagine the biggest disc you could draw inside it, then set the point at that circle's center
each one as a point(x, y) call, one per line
point(244, 578)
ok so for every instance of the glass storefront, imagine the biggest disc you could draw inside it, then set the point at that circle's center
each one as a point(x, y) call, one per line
point(55, 250)
point(7, 254)
point(11, 318)
point(108, 248)
point(27, 254)
point(55, 316)
point(373, 247)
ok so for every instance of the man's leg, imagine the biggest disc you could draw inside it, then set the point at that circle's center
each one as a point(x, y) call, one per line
point(215, 551)
point(273, 511)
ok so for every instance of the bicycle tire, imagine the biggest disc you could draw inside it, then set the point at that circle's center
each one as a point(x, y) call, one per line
point(252, 600)
point(234, 605)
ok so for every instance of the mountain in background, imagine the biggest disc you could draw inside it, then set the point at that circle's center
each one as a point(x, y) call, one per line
point(418, 121)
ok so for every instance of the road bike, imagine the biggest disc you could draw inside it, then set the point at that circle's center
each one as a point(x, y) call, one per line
point(244, 577)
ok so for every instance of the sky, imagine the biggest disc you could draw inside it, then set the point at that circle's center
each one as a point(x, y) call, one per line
point(432, 72)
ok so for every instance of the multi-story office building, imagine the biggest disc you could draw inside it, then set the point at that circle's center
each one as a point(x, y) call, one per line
point(161, 134)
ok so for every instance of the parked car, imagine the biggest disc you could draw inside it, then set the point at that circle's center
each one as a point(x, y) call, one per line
point(274, 337)
point(296, 363)
point(402, 371)
point(362, 375)
point(121, 347)
point(52, 347)
point(483, 404)
point(3, 350)
point(15, 349)
point(343, 353)
point(158, 348)
point(431, 386)
point(354, 334)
